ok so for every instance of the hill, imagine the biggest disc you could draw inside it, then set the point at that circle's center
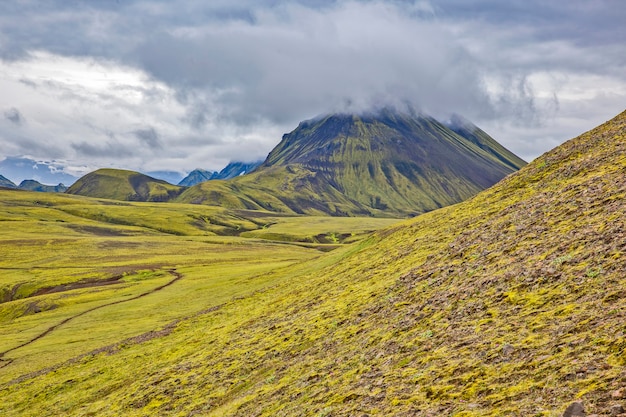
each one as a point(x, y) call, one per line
point(376, 164)
point(509, 303)
point(125, 185)
point(7, 183)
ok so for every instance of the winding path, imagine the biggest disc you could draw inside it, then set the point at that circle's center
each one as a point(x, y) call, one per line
point(177, 276)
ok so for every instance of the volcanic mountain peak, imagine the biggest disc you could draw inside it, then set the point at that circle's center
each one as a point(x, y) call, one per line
point(396, 162)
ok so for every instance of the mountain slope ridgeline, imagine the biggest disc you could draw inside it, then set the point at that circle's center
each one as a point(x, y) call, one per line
point(383, 163)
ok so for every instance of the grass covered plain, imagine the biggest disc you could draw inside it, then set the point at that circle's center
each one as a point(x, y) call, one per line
point(77, 274)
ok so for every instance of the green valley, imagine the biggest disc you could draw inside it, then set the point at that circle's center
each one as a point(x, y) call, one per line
point(64, 256)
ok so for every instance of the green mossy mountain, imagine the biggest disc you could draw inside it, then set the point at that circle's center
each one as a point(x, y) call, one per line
point(385, 163)
point(117, 184)
point(478, 137)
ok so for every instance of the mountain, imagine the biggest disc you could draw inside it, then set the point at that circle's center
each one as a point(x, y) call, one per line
point(478, 137)
point(196, 177)
point(232, 170)
point(376, 164)
point(32, 185)
point(236, 169)
point(5, 182)
point(18, 168)
point(509, 303)
point(125, 185)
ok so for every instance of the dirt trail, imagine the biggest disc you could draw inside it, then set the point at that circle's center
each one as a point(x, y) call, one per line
point(177, 276)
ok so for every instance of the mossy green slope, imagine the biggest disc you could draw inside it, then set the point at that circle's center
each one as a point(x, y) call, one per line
point(124, 185)
point(510, 303)
point(384, 163)
point(291, 190)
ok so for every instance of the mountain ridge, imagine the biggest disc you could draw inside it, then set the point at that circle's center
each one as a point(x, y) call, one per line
point(380, 163)
point(5, 182)
point(33, 185)
point(232, 170)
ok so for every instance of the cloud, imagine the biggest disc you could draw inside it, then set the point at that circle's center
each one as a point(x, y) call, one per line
point(149, 137)
point(111, 150)
point(14, 116)
point(199, 83)
point(299, 61)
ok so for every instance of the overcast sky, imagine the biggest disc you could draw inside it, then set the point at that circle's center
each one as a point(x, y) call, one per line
point(178, 84)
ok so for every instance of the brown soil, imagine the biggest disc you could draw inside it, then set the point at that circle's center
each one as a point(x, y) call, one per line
point(77, 285)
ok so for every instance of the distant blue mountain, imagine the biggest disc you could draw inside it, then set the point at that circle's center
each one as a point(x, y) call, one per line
point(18, 169)
point(197, 176)
point(5, 182)
point(172, 177)
point(235, 169)
point(232, 170)
point(32, 185)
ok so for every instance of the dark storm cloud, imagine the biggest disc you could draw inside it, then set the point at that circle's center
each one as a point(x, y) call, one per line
point(14, 116)
point(581, 21)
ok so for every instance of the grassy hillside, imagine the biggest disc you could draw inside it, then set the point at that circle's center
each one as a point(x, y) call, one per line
point(287, 190)
point(124, 185)
point(507, 304)
point(382, 164)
